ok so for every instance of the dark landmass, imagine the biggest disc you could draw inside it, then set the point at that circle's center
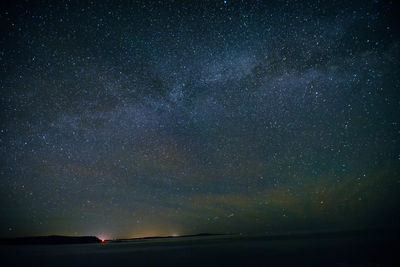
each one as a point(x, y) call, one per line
point(286, 236)
point(161, 237)
point(371, 247)
point(49, 240)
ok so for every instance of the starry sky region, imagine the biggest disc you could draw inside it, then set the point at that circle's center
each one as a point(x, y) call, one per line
point(141, 118)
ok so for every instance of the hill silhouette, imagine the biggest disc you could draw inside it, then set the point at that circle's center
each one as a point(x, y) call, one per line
point(161, 237)
point(49, 240)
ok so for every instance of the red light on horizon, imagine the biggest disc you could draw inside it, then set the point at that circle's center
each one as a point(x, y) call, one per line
point(103, 241)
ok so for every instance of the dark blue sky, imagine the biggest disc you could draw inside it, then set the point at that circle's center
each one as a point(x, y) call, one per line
point(122, 120)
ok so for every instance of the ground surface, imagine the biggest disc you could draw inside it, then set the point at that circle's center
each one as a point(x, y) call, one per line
point(329, 250)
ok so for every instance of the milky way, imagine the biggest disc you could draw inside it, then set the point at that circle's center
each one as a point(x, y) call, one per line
point(177, 117)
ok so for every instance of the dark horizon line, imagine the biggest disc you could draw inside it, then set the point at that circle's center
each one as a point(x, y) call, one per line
point(271, 234)
point(278, 235)
point(50, 240)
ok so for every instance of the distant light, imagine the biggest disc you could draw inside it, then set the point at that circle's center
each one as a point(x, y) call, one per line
point(103, 241)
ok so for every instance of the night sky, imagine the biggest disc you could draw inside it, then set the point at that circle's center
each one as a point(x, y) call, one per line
point(171, 118)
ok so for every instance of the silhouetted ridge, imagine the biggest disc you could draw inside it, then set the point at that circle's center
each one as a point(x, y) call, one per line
point(53, 239)
point(161, 237)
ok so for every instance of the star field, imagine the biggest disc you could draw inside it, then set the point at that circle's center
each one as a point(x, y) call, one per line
point(180, 117)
